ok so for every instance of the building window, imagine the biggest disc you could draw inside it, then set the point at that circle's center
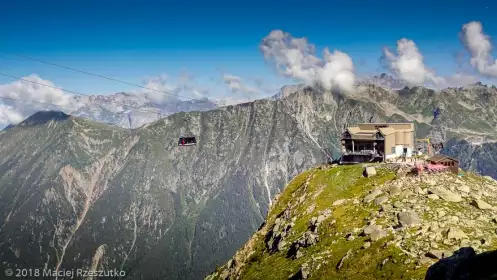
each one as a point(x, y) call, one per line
point(393, 150)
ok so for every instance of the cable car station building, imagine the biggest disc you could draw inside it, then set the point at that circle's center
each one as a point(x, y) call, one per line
point(377, 142)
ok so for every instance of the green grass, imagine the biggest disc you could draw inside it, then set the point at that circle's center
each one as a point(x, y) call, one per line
point(322, 187)
point(342, 182)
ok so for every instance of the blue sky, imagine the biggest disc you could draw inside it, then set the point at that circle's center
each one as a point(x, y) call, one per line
point(132, 40)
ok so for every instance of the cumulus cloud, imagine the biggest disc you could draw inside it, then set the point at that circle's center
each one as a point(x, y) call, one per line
point(159, 89)
point(409, 66)
point(296, 58)
point(22, 98)
point(41, 91)
point(166, 89)
point(479, 46)
point(9, 115)
point(236, 85)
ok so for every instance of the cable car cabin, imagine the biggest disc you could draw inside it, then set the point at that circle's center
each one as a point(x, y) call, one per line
point(187, 141)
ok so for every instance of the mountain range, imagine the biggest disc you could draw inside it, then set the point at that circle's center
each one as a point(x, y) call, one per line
point(77, 193)
point(132, 110)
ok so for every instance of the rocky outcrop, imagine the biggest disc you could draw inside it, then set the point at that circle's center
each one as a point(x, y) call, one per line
point(351, 237)
point(477, 156)
point(275, 238)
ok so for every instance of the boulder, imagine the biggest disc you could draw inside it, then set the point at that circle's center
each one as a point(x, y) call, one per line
point(344, 258)
point(455, 233)
point(374, 232)
point(338, 202)
point(418, 190)
point(369, 229)
point(463, 188)
point(369, 171)
point(433, 196)
point(480, 204)
point(445, 194)
point(435, 254)
point(370, 197)
point(377, 234)
point(386, 208)
point(380, 200)
point(303, 273)
point(394, 190)
point(407, 219)
point(298, 255)
point(397, 204)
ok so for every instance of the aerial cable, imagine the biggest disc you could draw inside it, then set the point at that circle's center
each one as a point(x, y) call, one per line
point(100, 76)
point(54, 87)
point(41, 84)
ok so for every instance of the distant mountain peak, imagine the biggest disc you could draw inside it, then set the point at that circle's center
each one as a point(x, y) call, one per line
point(385, 80)
point(42, 117)
point(287, 90)
point(8, 126)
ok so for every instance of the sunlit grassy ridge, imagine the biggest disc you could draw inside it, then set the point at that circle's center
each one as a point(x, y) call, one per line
point(323, 188)
point(314, 192)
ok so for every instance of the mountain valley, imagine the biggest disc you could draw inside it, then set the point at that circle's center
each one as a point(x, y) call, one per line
point(76, 193)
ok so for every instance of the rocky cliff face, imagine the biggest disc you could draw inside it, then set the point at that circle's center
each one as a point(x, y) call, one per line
point(133, 110)
point(479, 156)
point(128, 110)
point(75, 193)
point(82, 194)
point(348, 222)
point(384, 80)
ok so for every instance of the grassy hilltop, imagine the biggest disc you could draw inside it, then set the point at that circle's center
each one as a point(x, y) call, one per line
point(334, 223)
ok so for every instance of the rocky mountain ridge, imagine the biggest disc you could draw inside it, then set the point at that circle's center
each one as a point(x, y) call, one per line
point(114, 197)
point(133, 199)
point(384, 80)
point(127, 110)
point(347, 222)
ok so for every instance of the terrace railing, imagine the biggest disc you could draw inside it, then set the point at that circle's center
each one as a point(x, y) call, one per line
point(360, 152)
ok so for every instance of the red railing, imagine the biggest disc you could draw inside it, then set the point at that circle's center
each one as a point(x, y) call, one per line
point(430, 168)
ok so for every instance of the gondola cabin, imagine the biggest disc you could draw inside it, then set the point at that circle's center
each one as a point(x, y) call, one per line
point(187, 141)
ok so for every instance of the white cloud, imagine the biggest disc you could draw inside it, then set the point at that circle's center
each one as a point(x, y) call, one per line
point(296, 58)
point(35, 92)
point(8, 115)
point(166, 89)
point(479, 46)
point(409, 66)
point(162, 90)
point(236, 85)
point(22, 98)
